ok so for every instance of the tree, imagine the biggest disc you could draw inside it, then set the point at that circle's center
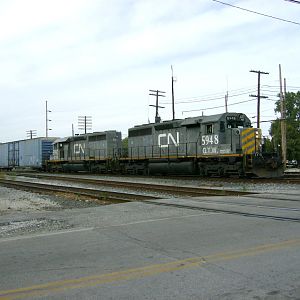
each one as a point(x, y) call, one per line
point(292, 103)
point(125, 143)
point(268, 145)
point(125, 147)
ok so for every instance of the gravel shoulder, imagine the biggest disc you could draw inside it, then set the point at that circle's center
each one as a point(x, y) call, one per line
point(23, 212)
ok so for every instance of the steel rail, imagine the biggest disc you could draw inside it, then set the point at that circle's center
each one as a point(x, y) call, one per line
point(230, 212)
point(290, 178)
point(116, 197)
point(161, 188)
point(93, 193)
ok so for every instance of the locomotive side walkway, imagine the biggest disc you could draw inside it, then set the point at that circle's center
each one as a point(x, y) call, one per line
point(149, 251)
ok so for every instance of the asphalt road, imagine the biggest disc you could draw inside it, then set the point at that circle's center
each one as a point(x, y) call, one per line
point(145, 251)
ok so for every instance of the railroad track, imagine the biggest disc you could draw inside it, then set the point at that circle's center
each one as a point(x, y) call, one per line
point(108, 196)
point(116, 197)
point(151, 187)
point(225, 211)
point(287, 179)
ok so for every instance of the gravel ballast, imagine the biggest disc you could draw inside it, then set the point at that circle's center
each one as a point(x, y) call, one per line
point(24, 212)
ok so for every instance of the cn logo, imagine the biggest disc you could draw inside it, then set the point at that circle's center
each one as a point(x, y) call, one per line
point(78, 148)
point(165, 139)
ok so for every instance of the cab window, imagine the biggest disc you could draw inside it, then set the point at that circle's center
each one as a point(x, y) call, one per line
point(222, 126)
point(209, 129)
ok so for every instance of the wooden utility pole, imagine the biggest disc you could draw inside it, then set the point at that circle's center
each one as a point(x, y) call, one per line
point(157, 93)
point(226, 102)
point(31, 133)
point(258, 96)
point(47, 120)
point(173, 102)
point(283, 120)
point(85, 123)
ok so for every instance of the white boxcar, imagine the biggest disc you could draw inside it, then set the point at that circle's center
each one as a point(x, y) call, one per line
point(26, 153)
point(4, 156)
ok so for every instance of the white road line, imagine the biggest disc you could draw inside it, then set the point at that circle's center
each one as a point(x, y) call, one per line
point(97, 228)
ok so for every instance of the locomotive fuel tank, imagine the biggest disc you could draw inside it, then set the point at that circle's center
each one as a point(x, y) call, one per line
point(171, 166)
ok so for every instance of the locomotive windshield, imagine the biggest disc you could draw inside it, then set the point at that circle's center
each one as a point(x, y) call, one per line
point(237, 121)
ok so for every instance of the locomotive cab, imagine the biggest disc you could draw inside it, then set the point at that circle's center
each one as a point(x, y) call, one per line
point(235, 126)
point(221, 134)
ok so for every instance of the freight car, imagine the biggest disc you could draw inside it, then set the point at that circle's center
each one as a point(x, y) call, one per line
point(30, 153)
point(223, 144)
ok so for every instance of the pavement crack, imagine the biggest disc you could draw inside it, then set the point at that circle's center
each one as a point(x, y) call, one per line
point(147, 245)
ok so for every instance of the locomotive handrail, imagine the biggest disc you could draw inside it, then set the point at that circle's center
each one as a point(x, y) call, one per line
point(157, 151)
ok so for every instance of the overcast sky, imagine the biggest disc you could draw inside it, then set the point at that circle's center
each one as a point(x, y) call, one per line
point(100, 58)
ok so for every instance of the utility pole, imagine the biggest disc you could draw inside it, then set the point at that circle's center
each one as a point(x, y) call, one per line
point(157, 93)
point(258, 96)
point(226, 97)
point(282, 121)
point(226, 102)
point(85, 123)
point(47, 120)
point(31, 133)
point(173, 102)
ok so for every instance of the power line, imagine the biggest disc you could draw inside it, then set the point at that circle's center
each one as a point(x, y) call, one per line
point(208, 99)
point(218, 94)
point(294, 1)
point(288, 86)
point(184, 111)
point(270, 91)
point(255, 12)
point(274, 100)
